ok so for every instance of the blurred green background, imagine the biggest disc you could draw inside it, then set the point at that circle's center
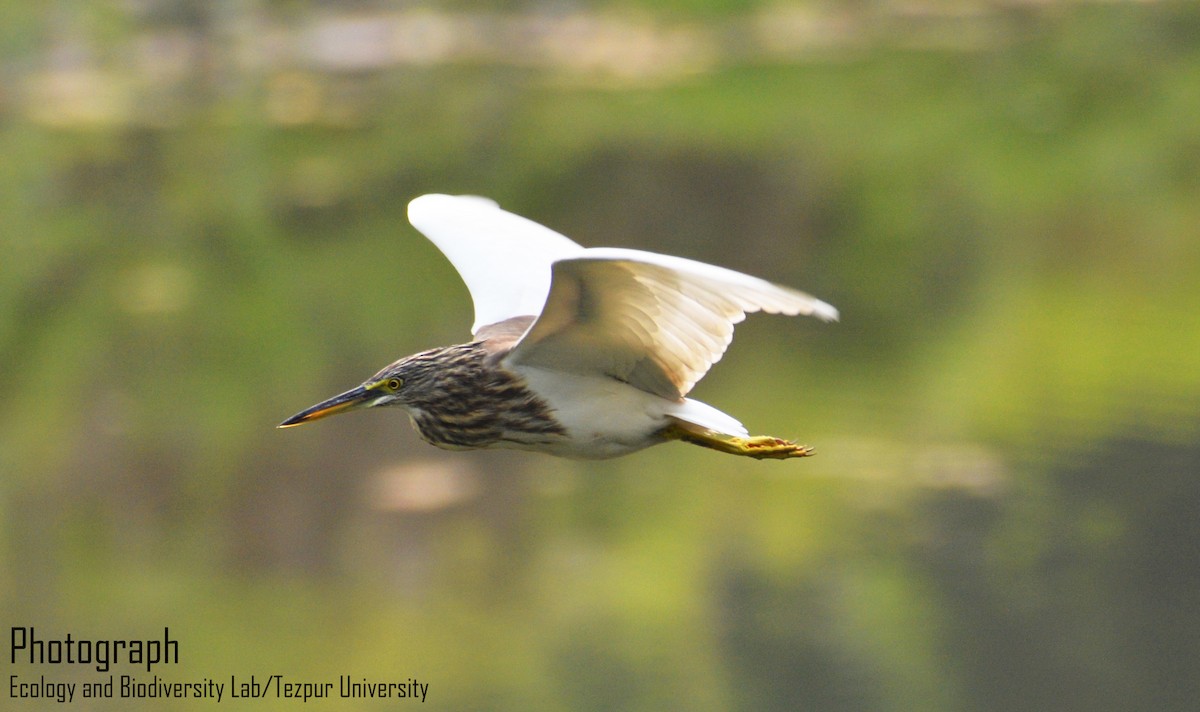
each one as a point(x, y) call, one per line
point(203, 231)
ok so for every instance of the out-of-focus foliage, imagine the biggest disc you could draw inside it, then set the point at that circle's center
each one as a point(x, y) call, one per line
point(203, 231)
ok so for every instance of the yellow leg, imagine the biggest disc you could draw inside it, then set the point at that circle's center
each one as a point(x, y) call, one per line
point(759, 446)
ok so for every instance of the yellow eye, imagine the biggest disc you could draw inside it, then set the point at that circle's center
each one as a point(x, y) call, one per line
point(393, 384)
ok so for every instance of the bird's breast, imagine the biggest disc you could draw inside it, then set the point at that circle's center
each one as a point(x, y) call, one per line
point(602, 417)
point(469, 404)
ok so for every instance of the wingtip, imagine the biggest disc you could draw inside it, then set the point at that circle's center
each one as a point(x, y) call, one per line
point(825, 311)
point(434, 202)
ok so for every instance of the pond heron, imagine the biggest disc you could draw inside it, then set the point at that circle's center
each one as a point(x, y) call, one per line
point(577, 352)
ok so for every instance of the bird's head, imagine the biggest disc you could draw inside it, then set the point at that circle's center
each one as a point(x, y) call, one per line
point(412, 382)
point(390, 386)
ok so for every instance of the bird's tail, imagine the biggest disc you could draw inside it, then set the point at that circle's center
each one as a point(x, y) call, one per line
point(699, 424)
point(708, 417)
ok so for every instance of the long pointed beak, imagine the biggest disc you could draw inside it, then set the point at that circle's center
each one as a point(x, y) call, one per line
point(350, 400)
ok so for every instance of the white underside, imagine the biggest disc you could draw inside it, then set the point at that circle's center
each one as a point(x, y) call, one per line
point(605, 418)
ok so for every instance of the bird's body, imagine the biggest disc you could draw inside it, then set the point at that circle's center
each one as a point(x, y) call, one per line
point(605, 418)
point(587, 417)
point(584, 353)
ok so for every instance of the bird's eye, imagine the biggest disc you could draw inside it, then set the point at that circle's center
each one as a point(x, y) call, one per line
point(394, 384)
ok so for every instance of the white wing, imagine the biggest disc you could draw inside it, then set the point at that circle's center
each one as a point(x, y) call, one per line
point(656, 322)
point(504, 258)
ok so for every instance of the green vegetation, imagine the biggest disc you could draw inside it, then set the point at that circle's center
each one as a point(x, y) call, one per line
point(1004, 511)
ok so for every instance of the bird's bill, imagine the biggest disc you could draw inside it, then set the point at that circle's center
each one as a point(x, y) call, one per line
point(350, 400)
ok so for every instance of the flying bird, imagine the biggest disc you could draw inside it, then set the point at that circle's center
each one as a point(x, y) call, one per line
point(577, 352)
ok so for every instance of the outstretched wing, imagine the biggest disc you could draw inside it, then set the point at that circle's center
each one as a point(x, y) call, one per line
point(503, 258)
point(656, 322)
